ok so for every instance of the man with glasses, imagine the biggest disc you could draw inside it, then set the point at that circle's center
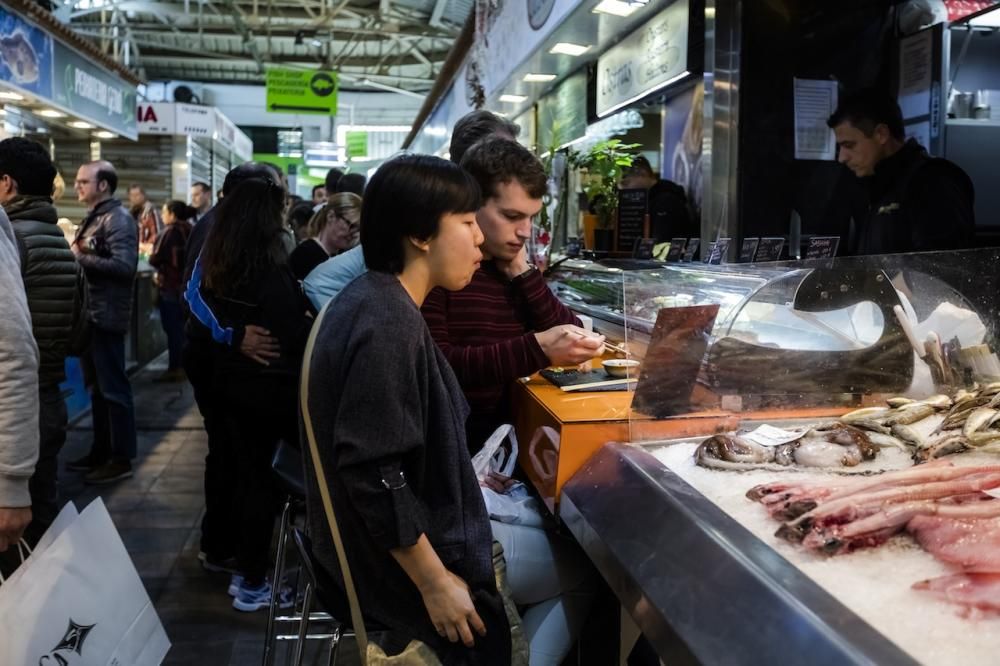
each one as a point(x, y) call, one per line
point(107, 246)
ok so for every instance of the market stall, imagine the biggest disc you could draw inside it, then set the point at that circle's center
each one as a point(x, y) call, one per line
point(824, 542)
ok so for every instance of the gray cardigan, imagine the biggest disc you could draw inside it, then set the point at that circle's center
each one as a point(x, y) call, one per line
point(18, 378)
point(389, 418)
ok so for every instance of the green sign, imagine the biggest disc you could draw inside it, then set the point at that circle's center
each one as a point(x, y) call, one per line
point(93, 93)
point(357, 144)
point(562, 114)
point(301, 91)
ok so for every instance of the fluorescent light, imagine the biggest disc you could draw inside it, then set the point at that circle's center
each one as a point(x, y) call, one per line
point(103, 134)
point(79, 124)
point(316, 43)
point(513, 99)
point(617, 7)
point(990, 19)
point(538, 78)
point(644, 93)
point(4, 94)
point(569, 48)
point(51, 113)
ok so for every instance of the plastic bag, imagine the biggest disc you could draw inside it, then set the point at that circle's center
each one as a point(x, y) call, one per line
point(516, 506)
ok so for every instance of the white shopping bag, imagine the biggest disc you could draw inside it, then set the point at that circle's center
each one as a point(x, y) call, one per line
point(516, 506)
point(80, 601)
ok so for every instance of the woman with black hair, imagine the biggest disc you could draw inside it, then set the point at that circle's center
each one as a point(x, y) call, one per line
point(168, 260)
point(246, 281)
point(389, 419)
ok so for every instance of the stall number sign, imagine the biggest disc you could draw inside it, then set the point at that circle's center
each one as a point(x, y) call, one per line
point(301, 91)
point(357, 144)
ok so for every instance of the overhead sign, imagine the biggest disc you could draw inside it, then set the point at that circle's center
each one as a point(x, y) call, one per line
point(562, 117)
point(195, 120)
point(25, 55)
point(155, 118)
point(301, 91)
point(651, 58)
point(357, 144)
point(91, 92)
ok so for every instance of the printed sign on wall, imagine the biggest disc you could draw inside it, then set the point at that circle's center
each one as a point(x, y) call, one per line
point(94, 93)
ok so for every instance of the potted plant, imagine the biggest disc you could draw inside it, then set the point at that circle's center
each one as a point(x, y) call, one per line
point(603, 163)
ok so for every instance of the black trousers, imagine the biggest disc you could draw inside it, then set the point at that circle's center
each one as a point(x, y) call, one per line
point(218, 527)
point(44, 485)
point(257, 418)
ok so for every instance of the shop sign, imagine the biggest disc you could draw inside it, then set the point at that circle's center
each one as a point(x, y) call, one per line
point(25, 55)
point(194, 120)
point(651, 58)
point(562, 116)
point(301, 91)
point(357, 144)
point(93, 93)
point(155, 118)
point(225, 131)
point(243, 146)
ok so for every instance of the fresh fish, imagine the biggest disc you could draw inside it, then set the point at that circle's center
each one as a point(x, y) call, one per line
point(907, 434)
point(887, 441)
point(732, 452)
point(938, 401)
point(979, 439)
point(870, 425)
point(942, 446)
point(865, 413)
point(978, 419)
point(899, 402)
point(910, 414)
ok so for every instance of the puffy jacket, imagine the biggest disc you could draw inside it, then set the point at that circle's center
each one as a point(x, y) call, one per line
point(111, 263)
point(49, 271)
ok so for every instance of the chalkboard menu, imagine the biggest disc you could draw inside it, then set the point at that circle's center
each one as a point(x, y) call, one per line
point(769, 249)
point(676, 249)
point(822, 247)
point(632, 206)
point(691, 249)
point(719, 251)
point(748, 249)
point(644, 248)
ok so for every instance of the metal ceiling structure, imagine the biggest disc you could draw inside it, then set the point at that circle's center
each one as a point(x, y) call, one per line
point(396, 45)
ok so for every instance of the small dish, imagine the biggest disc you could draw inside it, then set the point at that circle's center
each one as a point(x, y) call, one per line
point(621, 368)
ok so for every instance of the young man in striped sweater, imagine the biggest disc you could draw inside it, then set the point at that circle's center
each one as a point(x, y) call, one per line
point(507, 323)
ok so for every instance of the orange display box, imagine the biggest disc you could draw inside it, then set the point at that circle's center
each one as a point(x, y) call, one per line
point(559, 431)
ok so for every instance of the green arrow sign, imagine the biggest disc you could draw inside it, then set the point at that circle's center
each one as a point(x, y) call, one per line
point(301, 91)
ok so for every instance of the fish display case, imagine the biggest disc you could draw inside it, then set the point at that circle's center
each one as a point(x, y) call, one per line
point(882, 346)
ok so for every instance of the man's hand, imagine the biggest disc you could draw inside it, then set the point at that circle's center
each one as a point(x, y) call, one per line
point(451, 609)
point(259, 345)
point(569, 344)
point(519, 264)
point(497, 482)
point(12, 524)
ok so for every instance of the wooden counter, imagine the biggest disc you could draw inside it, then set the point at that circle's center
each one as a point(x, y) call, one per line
point(559, 431)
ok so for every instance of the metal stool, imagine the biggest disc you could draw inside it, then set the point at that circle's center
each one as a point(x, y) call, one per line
point(290, 476)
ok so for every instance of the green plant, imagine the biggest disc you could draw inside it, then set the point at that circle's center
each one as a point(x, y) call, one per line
point(604, 163)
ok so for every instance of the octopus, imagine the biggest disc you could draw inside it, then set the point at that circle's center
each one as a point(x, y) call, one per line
point(829, 446)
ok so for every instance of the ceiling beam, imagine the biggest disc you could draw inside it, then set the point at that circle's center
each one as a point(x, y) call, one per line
point(437, 13)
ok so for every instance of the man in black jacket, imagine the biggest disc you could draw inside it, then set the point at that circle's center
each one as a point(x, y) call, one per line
point(50, 272)
point(916, 203)
point(107, 246)
point(669, 213)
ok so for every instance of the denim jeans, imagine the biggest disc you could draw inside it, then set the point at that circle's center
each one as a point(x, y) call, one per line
point(172, 319)
point(550, 576)
point(111, 397)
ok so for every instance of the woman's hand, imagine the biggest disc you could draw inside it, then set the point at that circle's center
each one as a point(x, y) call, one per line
point(450, 607)
point(497, 482)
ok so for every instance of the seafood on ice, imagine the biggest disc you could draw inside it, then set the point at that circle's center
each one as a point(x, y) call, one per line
point(951, 511)
point(825, 446)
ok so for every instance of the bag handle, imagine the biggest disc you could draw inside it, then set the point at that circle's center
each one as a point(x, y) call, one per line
point(357, 620)
point(22, 546)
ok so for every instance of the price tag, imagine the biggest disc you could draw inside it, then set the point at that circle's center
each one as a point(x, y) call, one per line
point(676, 249)
point(748, 249)
point(822, 247)
point(767, 435)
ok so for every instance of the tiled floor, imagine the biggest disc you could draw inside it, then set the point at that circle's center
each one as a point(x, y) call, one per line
point(158, 514)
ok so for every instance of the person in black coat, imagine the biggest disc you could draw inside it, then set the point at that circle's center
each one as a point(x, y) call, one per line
point(389, 418)
point(669, 213)
point(49, 271)
point(246, 281)
point(915, 202)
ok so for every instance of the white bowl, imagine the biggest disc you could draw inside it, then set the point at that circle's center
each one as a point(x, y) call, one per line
point(621, 368)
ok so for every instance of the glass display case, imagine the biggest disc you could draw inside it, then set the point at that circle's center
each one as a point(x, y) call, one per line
point(832, 332)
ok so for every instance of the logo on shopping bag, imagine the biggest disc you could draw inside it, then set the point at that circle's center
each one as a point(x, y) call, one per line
point(71, 642)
